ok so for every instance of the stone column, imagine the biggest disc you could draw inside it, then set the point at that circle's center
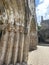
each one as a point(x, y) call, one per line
point(21, 9)
point(10, 26)
point(4, 36)
point(26, 32)
point(33, 29)
point(3, 45)
point(15, 45)
point(21, 44)
point(33, 35)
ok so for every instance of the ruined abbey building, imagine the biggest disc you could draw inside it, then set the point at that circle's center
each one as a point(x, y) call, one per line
point(16, 30)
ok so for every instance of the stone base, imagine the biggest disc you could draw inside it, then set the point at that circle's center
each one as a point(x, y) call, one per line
point(23, 63)
point(33, 41)
point(33, 48)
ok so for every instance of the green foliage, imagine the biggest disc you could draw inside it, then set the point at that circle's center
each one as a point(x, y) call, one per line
point(39, 27)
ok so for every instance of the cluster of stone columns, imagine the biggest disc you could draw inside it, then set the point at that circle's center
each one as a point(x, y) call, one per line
point(14, 44)
point(17, 29)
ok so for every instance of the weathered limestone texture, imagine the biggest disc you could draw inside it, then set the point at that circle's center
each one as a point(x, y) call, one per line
point(15, 39)
point(15, 45)
point(33, 35)
point(33, 28)
point(27, 32)
point(21, 29)
point(3, 45)
point(8, 54)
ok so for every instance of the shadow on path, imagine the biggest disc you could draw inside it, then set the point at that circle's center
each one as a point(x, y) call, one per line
point(43, 44)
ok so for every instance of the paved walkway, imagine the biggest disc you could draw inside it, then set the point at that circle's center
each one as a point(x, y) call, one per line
point(39, 56)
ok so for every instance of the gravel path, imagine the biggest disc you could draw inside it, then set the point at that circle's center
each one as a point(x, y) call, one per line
point(39, 56)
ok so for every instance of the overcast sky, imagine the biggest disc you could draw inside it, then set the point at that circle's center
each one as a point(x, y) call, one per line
point(42, 9)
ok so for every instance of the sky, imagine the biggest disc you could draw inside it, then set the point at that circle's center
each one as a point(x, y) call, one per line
point(42, 9)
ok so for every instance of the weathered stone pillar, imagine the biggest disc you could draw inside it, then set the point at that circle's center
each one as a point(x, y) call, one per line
point(33, 35)
point(8, 54)
point(16, 47)
point(21, 8)
point(26, 32)
point(33, 28)
point(10, 26)
point(14, 5)
point(3, 45)
point(26, 42)
point(21, 44)
point(4, 36)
